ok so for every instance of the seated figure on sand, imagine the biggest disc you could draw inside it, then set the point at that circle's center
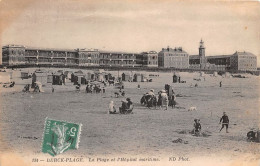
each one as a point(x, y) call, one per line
point(111, 108)
point(127, 106)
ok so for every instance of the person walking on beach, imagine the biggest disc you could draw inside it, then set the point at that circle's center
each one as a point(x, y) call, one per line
point(225, 121)
point(220, 84)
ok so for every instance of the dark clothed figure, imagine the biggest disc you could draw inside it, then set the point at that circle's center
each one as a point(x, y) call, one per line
point(225, 121)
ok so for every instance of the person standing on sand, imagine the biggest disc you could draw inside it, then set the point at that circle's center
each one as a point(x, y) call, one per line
point(225, 121)
point(159, 102)
point(197, 127)
point(165, 100)
point(220, 84)
point(173, 100)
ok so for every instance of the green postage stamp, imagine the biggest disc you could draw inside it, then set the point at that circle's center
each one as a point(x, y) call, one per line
point(60, 136)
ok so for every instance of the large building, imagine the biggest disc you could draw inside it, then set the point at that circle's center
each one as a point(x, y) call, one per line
point(239, 61)
point(21, 55)
point(148, 59)
point(118, 59)
point(13, 55)
point(243, 61)
point(173, 58)
point(88, 57)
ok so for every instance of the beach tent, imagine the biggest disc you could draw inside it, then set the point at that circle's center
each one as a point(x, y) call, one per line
point(24, 75)
point(39, 77)
point(127, 77)
point(77, 76)
point(137, 77)
point(89, 76)
point(176, 77)
point(58, 78)
point(68, 74)
point(49, 78)
point(5, 78)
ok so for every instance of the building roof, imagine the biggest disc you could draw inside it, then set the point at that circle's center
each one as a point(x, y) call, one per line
point(175, 50)
point(209, 57)
point(149, 52)
point(243, 53)
point(194, 57)
point(40, 74)
point(218, 56)
point(50, 49)
point(117, 52)
point(13, 46)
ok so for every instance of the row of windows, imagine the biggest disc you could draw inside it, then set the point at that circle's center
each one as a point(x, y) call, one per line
point(19, 52)
point(89, 61)
point(184, 55)
point(117, 62)
point(248, 57)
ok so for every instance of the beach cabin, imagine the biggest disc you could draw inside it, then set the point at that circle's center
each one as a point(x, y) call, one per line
point(99, 75)
point(144, 78)
point(58, 78)
point(137, 77)
point(77, 77)
point(90, 76)
point(68, 74)
point(176, 78)
point(127, 77)
point(49, 78)
point(24, 75)
point(39, 77)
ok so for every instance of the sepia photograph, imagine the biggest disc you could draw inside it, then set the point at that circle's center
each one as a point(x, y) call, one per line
point(129, 82)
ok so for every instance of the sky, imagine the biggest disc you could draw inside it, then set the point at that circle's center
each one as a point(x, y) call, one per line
point(132, 25)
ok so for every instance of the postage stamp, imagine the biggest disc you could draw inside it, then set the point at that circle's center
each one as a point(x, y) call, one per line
point(60, 136)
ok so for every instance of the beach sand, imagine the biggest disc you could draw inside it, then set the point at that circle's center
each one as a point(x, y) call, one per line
point(146, 132)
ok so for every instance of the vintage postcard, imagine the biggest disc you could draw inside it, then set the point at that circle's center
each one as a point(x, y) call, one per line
point(129, 82)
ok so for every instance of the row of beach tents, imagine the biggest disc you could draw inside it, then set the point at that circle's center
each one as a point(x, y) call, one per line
point(78, 77)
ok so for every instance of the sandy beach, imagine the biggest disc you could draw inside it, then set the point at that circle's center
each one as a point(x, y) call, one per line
point(147, 133)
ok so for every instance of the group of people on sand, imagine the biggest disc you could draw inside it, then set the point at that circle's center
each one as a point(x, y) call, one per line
point(10, 85)
point(126, 107)
point(37, 88)
point(163, 100)
point(95, 89)
point(224, 120)
point(92, 88)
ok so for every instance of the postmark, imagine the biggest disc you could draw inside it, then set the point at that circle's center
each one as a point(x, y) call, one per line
point(60, 136)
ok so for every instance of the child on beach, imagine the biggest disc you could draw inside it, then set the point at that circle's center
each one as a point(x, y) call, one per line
point(197, 127)
point(111, 108)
